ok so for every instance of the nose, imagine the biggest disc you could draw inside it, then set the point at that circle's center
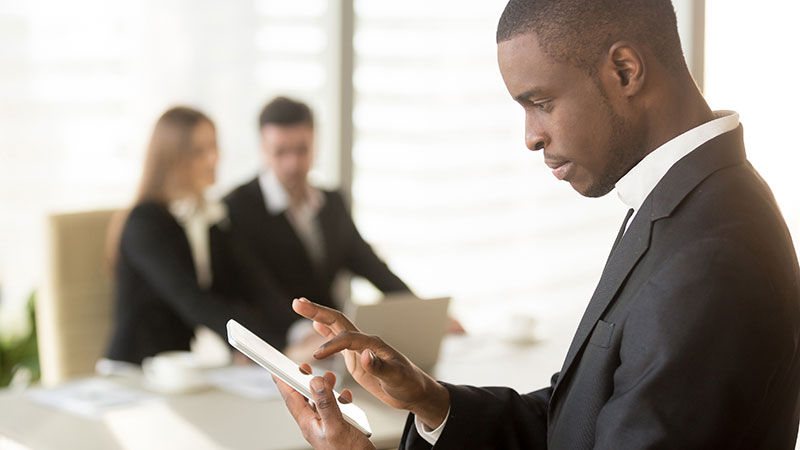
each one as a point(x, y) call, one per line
point(293, 162)
point(212, 158)
point(535, 137)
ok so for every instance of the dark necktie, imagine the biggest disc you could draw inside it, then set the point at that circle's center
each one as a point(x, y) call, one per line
point(621, 231)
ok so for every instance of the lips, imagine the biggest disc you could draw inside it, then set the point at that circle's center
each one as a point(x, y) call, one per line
point(560, 168)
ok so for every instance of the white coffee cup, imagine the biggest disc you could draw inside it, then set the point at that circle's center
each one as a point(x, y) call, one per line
point(520, 330)
point(173, 372)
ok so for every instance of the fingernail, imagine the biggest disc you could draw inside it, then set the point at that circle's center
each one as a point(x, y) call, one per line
point(304, 300)
point(372, 357)
point(318, 351)
point(318, 385)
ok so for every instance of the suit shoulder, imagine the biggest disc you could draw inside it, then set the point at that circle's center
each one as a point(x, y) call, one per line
point(242, 192)
point(147, 211)
point(146, 222)
point(334, 198)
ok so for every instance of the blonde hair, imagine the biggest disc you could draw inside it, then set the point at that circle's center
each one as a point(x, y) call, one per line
point(170, 149)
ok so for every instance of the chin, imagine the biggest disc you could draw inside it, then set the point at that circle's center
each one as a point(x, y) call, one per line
point(591, 190)
point(594, 191)
point(294, 184)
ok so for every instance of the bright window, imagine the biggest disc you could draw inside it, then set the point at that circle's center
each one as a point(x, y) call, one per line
point(752, 67)
point(82, 83)
point(443, 185)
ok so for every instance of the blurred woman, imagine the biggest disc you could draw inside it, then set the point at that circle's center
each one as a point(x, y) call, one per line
point(175, 266)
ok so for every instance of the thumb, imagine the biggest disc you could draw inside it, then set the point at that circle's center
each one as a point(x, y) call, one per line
point(327, 408)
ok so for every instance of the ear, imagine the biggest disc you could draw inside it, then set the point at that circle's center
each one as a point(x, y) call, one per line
point(626, 68)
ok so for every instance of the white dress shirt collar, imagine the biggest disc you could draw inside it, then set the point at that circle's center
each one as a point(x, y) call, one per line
point(302, 217)
point(636, 185)
point(196, 217)
point(279, 201)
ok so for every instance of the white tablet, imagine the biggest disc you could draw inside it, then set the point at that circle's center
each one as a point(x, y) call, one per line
point(284, 368)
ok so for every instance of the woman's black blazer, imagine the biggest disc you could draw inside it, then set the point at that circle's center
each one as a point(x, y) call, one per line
point(158, 302)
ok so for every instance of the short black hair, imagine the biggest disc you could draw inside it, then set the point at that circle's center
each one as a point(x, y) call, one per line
point(285, 111)
point(578, 32)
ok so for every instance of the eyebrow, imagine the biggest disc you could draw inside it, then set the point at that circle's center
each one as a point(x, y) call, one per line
point(534, 92)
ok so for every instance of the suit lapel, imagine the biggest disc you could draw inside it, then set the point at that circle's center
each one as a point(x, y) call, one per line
point(276, 229)
point(260, 213)
point(328, 227)
point(723, 151)
point(620, 263)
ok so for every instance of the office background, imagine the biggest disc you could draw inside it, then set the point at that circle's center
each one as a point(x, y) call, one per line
point(413, 117)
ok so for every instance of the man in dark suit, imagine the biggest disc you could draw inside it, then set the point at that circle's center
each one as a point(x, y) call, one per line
point(690, 340)
point(303, 236)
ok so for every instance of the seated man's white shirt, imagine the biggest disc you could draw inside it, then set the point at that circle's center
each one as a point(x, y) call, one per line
point(634, 187)
point(303, 219)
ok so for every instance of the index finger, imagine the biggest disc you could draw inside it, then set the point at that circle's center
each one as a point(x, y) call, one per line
point(355, 341)
point(331, 318)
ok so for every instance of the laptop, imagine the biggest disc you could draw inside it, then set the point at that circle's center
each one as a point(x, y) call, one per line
point(413, 326)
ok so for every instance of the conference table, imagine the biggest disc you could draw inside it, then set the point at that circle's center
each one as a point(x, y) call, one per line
point(218, 419)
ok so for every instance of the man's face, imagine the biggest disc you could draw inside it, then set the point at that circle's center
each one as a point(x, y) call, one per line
point(289, 152)
point(568, 116)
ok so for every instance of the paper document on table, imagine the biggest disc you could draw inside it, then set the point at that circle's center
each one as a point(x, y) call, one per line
point(250, 382)
point(90, 398)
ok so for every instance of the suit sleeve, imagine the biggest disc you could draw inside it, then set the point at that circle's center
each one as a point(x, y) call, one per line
point(257, 286)
point(700, 352)
point(363, 261)
point(491, 417)
point(151, 249)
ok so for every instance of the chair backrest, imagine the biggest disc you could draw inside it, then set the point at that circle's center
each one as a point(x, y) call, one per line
point(74, 308)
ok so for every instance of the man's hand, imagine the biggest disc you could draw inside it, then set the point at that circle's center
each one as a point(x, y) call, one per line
point(302, 351)
point(380, 369)
point(322, 423)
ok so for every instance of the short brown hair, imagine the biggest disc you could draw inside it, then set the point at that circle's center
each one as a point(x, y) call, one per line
point(286, 111)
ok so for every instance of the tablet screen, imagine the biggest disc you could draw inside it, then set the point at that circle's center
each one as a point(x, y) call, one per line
point(284, 368)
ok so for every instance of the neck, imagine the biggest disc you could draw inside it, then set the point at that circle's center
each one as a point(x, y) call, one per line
point(186, 194)
point(298, 196)
point(675, 110)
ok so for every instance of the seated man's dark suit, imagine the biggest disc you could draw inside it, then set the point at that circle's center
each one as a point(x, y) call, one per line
point(274, 243)
point(690, 340)
point(158, 302)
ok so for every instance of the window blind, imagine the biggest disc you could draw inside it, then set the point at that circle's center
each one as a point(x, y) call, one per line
point(443, 185)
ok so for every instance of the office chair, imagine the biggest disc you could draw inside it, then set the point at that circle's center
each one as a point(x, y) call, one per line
point(74, 308)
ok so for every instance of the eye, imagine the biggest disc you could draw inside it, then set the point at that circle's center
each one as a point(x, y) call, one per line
point(543, 105)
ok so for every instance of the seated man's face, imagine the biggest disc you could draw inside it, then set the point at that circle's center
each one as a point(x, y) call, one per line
point(289, 152)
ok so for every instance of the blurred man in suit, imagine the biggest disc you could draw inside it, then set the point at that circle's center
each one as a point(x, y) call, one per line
point(691, 339)
point(303, 236)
